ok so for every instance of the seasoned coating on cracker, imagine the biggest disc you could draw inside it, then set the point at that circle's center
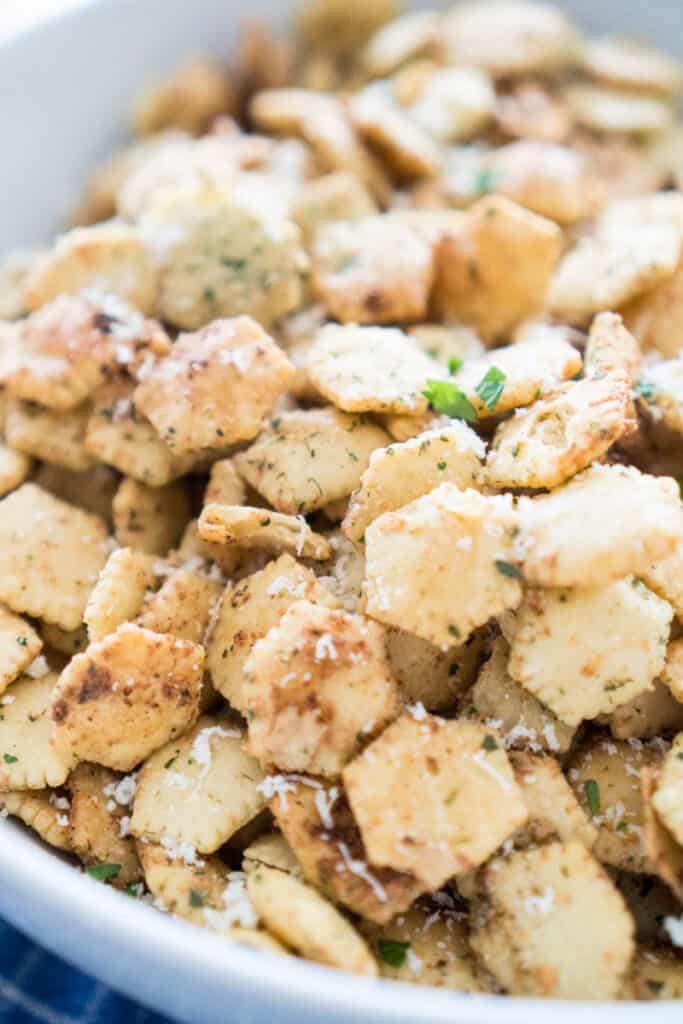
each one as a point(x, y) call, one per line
point(189, 98)
point(260, 528)
point(663, 854)
point(317, 822)
point(480, 277)
point(331, 197)
point(124, 697)
point(50, 555)
point(222, 256)
point(651, 713)
point(183, 606)
point(611, 348)
point(370, 369)
point(661, 386)
point(225, 487)
point(556, 438)
point(99, 818)
point(603, 109)
point(586, 651)
point(375, 271)
point(185, 889)
point(215, 387)
point(655, 974)
point(400, 473)
point(119, 592)
point(15, 467)
point(307, 458)
point(410, 35)
point(19, 645)
point(666, 799)
point(434, 675)
point(198, 791)
point(654, 316)
point(418, 552)
point(404, 144)
point(433, 798)
point(56, 437)
point(524, 722)
point(248, 610)
point(605, 775)
point(41, 810)
point(317, 687)
point(111, 258)
point(150, 519)
point(272, 850)
point(302, 920)
point(554, 811)
point(628, 64)
point(29, 759)
point(607, 522)
point(555, 925)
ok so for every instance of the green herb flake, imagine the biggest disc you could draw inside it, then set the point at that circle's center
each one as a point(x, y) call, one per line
point(592, 791)
point(393, 952)
point(490, 387)
point(508, 569)
point(22, 641)
point(489, 743)
point(196, 898)
point(101, 872)
point(622, 826)
point(655, 986)
point(645, 389)
point(170, 762)
point(441, 465)
point(454, 364)
point(9, 758)
point(449, 399)
point(484, 181)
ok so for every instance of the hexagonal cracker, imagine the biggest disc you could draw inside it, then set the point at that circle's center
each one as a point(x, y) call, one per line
point(98, 831)
point(119, 592)
point(29, 760)
point(184, 606)
point(150, 519)
point(434, 798)
point(124, 697)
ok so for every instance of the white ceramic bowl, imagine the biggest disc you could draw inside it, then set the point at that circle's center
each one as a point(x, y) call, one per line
point(64, 90)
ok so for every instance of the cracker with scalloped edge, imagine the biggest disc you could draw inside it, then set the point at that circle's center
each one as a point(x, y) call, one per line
point(317, 686)
point(197, 791)
point(428, 945)
point(225, 486)
point(405, 145)
point(533, 369)
point(378, 270)
point(57, 437)
point(118, 434)
point(611, 348)
point(331, 197)
point(371, 369)
point(318, 824)
point(521, 719)
point(607, 522)
point(605, 775)
point(443, 565)
point(260, 528)
point(40, 810)
point(481, 277)
point(186, 887)
point(651, 713)
point(554, 439)
point(183, 606)
point(584, 652)
point(307, 458)
point(64, 353)
point(98, 820)
point(663, 853)
point(150, 519)
point(664, 575)
point(111, 257)
point(554, 811)
point(606, 270)
point(19, 645)
point(631, 65)
point(511, 38)
point(119, 592)
point(554, 924)
point(29, 759)
point(216, 386)
point(221, 256)
point(248, 610)
point(15, 467)
point(50, 555)
point(434, 675)
point(300, 918)
point(667, 798)
point(434, 798)
point(124, 697)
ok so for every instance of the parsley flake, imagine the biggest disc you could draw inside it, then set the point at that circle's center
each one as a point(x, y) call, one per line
point(484, 181)
point(101, 872)
point(645, 389)
point(449, 399)
point(454, 364)
point(508, 569)
point(592, 791)
point(22, 641)
point(489, 743)
point(196, 898)
point(490, 387)
point(9, 758)
point(393, 952)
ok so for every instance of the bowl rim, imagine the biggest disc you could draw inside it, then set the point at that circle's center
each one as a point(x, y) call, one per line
point(32, 874)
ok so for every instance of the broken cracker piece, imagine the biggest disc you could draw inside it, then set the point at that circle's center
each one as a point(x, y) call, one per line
point(261, 528)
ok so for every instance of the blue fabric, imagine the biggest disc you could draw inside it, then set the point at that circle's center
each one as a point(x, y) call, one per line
point(37, 988)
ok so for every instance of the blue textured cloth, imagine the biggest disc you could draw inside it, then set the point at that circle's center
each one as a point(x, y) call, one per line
point(37, 987)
